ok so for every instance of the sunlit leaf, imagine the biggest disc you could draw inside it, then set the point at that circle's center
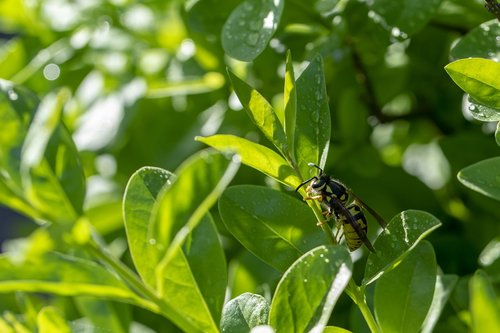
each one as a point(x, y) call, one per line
point(244, 312)
point(256, 156)
point(62, 275)
point(208, 82)
point(481, 42)
point(479, 78)
point(274, 226)
point(250, 27)
point(403, 296)
point(261, 112)
point(484, 308)
point(317, 279)
point(483, 177)
point(140, 197)
point(51, 321)
point(312, 133)
point(402, 234)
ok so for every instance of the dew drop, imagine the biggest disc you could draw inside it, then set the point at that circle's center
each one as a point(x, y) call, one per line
point(152, 241)
point(12, 95)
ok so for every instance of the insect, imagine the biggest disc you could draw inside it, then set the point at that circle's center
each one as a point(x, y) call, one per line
point(335, 197)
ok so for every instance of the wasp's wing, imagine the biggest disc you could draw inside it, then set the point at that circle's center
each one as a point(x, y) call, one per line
point(373, 213)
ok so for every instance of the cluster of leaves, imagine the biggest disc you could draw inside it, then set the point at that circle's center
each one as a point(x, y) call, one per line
point(124, 84)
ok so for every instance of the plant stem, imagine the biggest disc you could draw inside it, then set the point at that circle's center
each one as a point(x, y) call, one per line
point(358, 296)
point(152, 302)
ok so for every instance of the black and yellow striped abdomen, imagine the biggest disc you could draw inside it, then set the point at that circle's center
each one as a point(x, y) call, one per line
point(355, 229)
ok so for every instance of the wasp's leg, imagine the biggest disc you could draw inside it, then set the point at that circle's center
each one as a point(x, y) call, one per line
point(316, 197)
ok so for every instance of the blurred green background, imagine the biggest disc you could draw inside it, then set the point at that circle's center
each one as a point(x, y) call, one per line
point(148, 76)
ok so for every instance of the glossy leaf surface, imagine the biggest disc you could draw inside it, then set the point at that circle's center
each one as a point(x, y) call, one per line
point(483, 177)
point(255, 156)
point(402, 234)
point(480, 42)
point(250, 27)
point(479, 78)
point(312, 134)
point(260, 112)
point(317, 279)
point(274, 226)
point(244, 312)
point(140, 197)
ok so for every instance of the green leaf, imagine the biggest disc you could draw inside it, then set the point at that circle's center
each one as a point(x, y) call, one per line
point(497, 134)
point(62, 275)
point(244, 312)
point(309, 289)
point(194, 280)
point(208, 82)
point(480, 42)
point(402, 234)
point(312, 134)
point(17, 106)
point(407, 16)
point(290, 113)
point(442, 290)
point(255, 156)
point(53, 178)
point(482, 112)
point(483, 177)
point(10, 323)
point(260, 112)
point(15, 200)
point(403, 296)
point(335, 329)
point(49, 320)
point(139, 199)
point(250, 27)
point(479, 78)
point(484, 308)
point(274, 226)
point(108, 316)
point(180, 207)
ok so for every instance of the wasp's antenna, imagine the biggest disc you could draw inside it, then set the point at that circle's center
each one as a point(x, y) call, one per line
point(317, 167)
point(305, 182)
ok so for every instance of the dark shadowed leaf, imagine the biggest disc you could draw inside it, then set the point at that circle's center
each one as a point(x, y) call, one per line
point(403, 296)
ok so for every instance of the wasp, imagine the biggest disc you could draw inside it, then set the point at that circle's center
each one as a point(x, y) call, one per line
point(350, 217)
